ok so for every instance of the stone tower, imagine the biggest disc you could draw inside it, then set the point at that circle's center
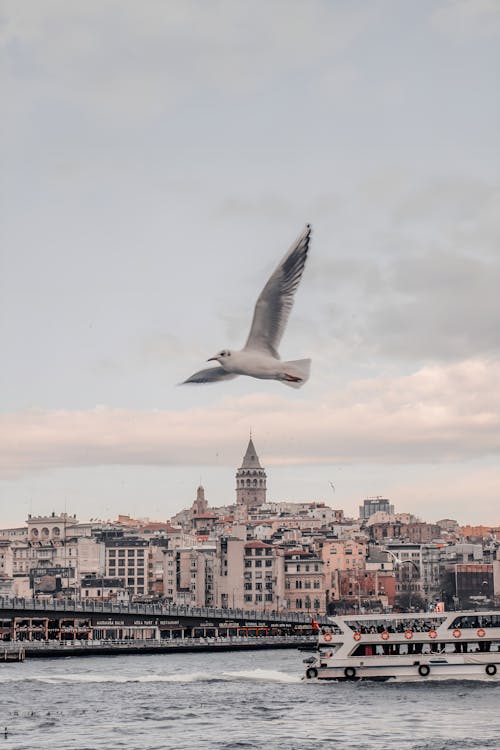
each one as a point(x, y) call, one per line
point(200, 505)
point(251, 479)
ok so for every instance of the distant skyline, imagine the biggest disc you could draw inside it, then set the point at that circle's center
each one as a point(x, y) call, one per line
point(158, 160)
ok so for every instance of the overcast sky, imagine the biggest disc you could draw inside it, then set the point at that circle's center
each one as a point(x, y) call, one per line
point(158, 159)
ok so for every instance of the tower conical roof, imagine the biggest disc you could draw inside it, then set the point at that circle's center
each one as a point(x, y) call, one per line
point(251, 459)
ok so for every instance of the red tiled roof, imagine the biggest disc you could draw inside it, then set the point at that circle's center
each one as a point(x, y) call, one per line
point(256, 544)
point(157, 526)
point(297, 552)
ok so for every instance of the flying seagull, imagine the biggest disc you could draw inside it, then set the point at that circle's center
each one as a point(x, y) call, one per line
point(259, 357)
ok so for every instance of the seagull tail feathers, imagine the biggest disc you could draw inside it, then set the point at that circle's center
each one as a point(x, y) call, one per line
point(296, 372)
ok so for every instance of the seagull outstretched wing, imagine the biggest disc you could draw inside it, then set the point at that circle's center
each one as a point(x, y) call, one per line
point(210, 375)
point(276, 299)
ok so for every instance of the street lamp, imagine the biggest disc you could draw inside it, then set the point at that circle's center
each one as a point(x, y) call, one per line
point(405, 562)
point(359, 596)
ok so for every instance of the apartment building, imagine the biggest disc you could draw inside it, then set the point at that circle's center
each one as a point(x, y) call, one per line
point(304, 582)
point(263, 576)
point(128, 559)
point(188, 576)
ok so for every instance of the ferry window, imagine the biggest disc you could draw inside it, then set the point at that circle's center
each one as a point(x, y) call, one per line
point(476, 621)
point(333, 627)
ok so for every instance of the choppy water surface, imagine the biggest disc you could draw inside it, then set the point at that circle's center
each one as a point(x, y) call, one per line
point(230, 701)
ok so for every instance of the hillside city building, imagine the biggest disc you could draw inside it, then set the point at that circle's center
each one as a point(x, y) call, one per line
point(255, 554)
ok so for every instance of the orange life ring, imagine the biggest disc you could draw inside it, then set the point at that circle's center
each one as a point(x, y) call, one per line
point(433, 633)
point(327, 637)
point(384, 635)
point(457, 633)
point(408, 635)
point(481, 632)
point(357, 636)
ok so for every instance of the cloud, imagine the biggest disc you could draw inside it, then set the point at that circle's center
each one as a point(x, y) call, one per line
point(468, 18)
point(437, 305)
point(436, 414)
point(442, 306)
point(427, 288)
point(121, 57)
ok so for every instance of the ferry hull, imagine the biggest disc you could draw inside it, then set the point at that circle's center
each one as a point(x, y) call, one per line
point(422, 672)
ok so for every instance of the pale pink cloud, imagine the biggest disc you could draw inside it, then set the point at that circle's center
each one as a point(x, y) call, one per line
point(446, 413)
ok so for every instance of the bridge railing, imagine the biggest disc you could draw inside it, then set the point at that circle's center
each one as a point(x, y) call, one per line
point(169, 610)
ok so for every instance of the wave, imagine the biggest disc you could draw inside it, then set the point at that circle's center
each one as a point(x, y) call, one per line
point(263, 675)
point(259, 675)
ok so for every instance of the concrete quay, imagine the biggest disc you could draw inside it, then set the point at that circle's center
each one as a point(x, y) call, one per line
point(12, 653)
point(51, 649)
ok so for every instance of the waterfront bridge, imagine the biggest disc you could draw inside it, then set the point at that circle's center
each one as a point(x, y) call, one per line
point(67, 620)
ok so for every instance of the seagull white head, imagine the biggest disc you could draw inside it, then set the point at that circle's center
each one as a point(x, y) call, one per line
point(220, 356)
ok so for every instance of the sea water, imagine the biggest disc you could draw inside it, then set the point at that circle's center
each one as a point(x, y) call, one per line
point(230, 701)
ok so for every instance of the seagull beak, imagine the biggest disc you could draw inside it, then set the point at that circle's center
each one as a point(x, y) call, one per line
point(212, 359)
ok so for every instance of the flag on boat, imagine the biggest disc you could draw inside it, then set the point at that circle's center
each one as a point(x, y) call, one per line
point(314, 624)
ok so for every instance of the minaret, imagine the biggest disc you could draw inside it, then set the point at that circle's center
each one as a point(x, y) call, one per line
point(251, 479)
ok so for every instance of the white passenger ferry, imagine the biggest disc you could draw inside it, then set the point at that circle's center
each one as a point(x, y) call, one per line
point(403, 647)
